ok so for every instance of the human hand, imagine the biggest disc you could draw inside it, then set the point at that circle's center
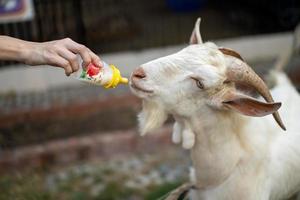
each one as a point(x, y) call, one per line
point(60, 53)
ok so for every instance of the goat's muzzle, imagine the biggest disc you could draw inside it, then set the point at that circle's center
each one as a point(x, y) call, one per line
point(135, 80)
point(138, 73)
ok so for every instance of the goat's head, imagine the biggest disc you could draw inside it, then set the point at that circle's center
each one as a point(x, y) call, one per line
point(200, 75)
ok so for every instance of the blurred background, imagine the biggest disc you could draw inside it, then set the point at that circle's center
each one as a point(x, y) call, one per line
point(61, 139)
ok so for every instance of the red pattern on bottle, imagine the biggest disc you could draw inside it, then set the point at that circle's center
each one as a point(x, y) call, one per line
point(92, 70)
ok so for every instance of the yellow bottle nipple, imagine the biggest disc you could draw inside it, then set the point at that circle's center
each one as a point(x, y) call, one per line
point(116, 78)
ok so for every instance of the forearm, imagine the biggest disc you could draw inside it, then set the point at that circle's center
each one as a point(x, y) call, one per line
point(61, 53)
point(12, 48)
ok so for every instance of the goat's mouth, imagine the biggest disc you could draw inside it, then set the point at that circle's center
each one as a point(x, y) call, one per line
point(139, 88)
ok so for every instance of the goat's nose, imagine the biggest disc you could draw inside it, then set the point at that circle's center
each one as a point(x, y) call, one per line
point(139, 73)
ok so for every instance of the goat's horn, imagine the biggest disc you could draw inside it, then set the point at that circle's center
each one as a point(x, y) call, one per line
point(238, 71)
point(231, 52)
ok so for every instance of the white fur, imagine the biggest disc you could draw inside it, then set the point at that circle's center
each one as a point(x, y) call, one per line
point(151, 117)
point(177, 132)
point(188, 138)
point(183, 133)
point(235, 157)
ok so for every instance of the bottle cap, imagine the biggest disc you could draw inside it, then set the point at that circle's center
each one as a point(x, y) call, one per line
point(116, 78)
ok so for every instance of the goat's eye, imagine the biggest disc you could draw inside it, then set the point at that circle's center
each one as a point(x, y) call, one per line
point(199, 84)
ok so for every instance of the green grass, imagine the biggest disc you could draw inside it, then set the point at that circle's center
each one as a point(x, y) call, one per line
point(33, 187)
point(159, 192)
point(23, 188)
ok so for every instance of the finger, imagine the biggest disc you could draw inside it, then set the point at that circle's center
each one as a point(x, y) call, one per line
point(95, 59)
point(70, 57)
point(81, 50)
point(63, 63)
point(68, 70)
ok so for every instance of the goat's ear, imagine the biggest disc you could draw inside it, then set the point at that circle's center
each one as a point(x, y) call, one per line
point(196, 36)
point(249, 106)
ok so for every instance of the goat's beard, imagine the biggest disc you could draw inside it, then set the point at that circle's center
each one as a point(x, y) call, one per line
point(152, 117)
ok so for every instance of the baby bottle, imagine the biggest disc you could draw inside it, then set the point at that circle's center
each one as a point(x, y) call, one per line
point(107, 76)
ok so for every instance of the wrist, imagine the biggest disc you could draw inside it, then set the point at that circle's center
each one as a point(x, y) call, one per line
point(26, 52)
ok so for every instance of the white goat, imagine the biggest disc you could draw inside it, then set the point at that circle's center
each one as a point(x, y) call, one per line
point(235, 156)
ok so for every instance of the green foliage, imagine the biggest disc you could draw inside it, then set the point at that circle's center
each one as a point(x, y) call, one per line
point(160, 191)
point(79, 195)
point(32, 187)
point(115, 191)
point(23, 188)
point(120, 179)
